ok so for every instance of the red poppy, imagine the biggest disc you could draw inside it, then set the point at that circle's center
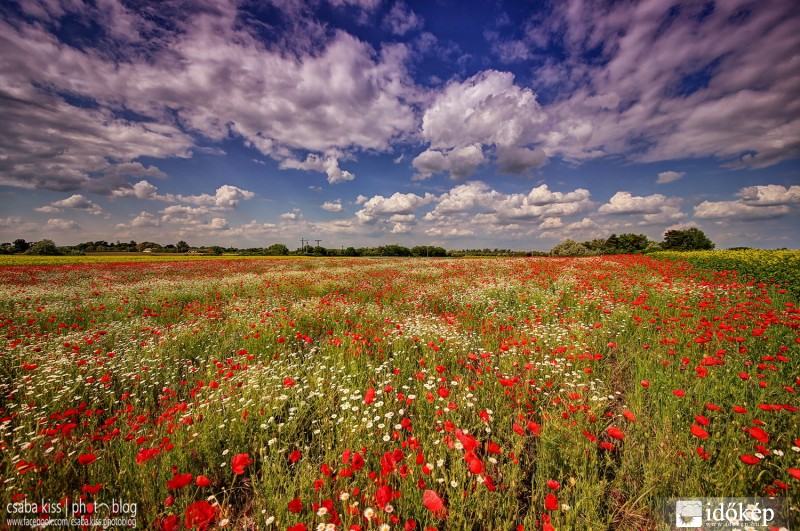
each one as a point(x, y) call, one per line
point(288, 382)
point(551, 502)
point(170, 523)
point(680, 393)
point(87, 459)
point(202, 481)
point(92, 489)
point(295, 456)
point(553, 484)
point(240, 462)
point(629, 415)
point(432, 501)
point(369, 396)
point(758, 434)
point(146, 454)
point(616, 432)
point(697, 431)
point(295, 506)
point(794, 472)
point(179, 481)
point(297, 527)
point(749, 459)
point(199, 514)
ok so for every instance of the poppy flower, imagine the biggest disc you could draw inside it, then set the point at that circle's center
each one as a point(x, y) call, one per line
point(295, 506)
point(289, 382)
point(553, 484)
point(432, 501)
point(179, 481)
point(758, 434)
point(170, 523)
point(369, 396)
point(87, 459)
point(697, 431)
point(202, 481)
point(629, 415)
point(295, 456)
point(92, 489)
point(199, 514)
point(616, 433)
point(551, 502)
point(794, 472)
point(240, 462)
point(749, 459)
point(680, 393)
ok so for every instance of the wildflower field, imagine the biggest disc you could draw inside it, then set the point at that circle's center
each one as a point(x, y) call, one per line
point(306, 394)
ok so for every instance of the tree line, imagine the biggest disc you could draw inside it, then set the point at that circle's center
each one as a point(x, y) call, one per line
point(628, 243)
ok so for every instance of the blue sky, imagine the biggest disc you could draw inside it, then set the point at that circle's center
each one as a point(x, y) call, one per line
point(365, 122)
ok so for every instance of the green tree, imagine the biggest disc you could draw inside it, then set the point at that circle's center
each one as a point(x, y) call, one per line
point(278, 249)
point(44, 248)
point(570, 248)
point(182, 247)
point(692, 239)
point(20, 246)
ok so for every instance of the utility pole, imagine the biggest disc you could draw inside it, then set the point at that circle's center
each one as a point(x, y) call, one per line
point(317, 242)
point(303, 244)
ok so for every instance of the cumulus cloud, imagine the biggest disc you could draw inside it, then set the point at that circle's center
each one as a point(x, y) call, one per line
point(380, 207)
point(76, 201)
point(756, 203)
point(212, 79)
point(486, 110)
point(328, 165)
point(294, 215)
point(651, 209)
point(770, 194)
point(225, 197)
point(737, 210)
point(504, 209)
point(332, 206)
point(669, 176)
point(58, 224)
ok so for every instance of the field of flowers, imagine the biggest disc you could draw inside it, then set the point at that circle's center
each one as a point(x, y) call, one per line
point(322, 394)
point(775, 266)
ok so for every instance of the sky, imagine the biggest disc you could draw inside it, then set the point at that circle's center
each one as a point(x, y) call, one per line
point(485, 124)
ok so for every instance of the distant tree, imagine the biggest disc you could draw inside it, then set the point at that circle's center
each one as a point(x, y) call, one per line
point(44, 248)
point(350, 251)
point(216, 249)
point(278, 249)
point(148, 245)
point(20, 246)
point(428, 250)
point(692, 239)
point(569, 248)
point(182, 247)
point(632, 243)
point(318, 250)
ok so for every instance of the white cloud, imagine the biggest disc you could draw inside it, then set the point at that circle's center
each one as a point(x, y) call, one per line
point(379, 207)
point(361, 199)
point(400, 19)
point(770, 194)
point(669, 176)
point(332, 206)
point(627, 203)
point(76, 201)
point(294, 215)
point(58, 224)
point(672, 82)
point(328, 165)
point(737, 210)
point(226, 197)
point(486, 110)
